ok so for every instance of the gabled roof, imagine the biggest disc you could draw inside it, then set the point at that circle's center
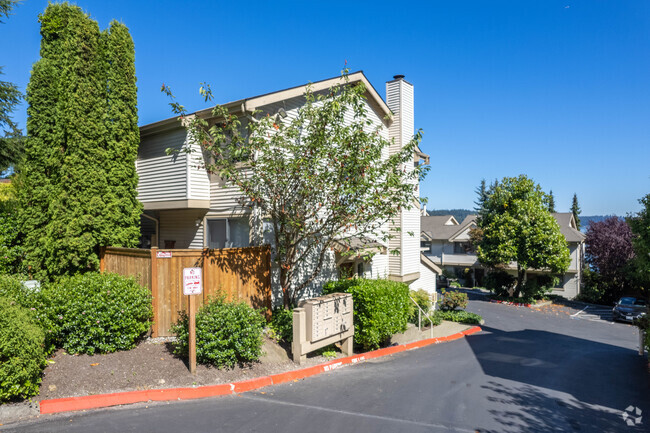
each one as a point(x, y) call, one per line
point(255, 102)
point(441, 227)
point(568, 226)
point(433, 227)
point(470, 220)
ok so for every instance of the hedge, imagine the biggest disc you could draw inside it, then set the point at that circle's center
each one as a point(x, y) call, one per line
point(381, 308)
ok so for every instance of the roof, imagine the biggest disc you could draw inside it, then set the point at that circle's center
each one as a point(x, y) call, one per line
point(567, 226)
point(434, 228)
point(255, 102)
point(426, 261)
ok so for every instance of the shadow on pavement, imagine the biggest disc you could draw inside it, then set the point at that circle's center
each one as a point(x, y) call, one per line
point(590, 371)
point(528, 409)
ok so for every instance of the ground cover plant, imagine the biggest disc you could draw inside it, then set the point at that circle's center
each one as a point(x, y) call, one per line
point(461, 316)
point(381, 308)
point(226, 333)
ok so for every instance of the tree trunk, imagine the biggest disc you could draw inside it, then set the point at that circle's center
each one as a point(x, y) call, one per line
point(521, 276)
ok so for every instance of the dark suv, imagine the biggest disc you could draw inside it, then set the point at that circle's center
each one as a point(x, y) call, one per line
point(628, 308)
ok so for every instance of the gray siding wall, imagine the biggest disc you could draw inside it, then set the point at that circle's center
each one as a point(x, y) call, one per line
point(180, 226)
point(178, 176)
point(162, 177)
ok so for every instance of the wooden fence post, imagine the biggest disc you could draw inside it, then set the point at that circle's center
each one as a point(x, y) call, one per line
point(102, 260)
point(154, 290)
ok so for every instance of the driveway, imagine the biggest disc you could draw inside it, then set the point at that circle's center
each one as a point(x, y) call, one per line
point(528, 371)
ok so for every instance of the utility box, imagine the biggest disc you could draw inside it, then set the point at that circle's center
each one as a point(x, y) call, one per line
point(319, 322)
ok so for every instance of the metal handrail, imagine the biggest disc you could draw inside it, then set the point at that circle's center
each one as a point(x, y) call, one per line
point(420, 312)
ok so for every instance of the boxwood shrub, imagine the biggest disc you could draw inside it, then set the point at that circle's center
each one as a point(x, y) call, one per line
point(98, 313)
point(22, 351)
point(226, 333)
point(381, 308)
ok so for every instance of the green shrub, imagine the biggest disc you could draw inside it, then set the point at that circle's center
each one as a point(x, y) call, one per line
point(282, 324)
point(499, 282)
point(381, 308)
point(422, 298)
point(453, 300)
point(593, 289)
point(454, 284)
point(538, 286)
point(226, 333)
point(98, 312)
point(22, 353)
point(35, 302)
point(459, 316)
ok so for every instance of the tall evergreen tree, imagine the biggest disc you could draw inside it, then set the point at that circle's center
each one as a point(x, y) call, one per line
point(67, 196)
point(575, 210)
point(481, 192)
point(551, 202)
point(123, 137)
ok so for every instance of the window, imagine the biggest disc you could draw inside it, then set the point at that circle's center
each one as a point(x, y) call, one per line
point(360, 270)
point(228, 233)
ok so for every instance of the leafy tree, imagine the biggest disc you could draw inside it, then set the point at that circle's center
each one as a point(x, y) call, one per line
point(482, 193)
point(11, 143)
point(516, 226)
point(75, 186)
point(608, 252)
point(575, 210)
point(551, 202)
point(640, 226)
point(320, 179)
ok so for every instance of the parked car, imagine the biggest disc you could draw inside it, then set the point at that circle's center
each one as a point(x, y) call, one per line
point(442, 282)
point(628, 308)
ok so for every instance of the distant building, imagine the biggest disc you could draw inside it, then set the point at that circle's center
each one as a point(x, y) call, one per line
point(446, 243)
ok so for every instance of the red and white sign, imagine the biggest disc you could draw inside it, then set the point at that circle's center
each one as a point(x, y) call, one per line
point(164, 254)
point(192, 281)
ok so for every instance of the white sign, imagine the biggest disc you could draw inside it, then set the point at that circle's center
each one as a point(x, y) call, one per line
point(192, 281)
point(164, 254)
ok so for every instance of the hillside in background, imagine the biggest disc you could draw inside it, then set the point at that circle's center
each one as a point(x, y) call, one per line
point(460, 215)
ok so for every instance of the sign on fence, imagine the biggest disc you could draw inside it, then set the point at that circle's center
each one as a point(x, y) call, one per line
point(192, 281)
point(164, 254)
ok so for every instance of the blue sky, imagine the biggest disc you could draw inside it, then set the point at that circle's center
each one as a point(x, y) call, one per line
point(557, 90)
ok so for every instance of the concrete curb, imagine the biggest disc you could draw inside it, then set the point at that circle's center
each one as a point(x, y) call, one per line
point(105, 400)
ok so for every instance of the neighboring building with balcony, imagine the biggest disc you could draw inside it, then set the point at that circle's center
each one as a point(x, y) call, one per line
point(447, 243)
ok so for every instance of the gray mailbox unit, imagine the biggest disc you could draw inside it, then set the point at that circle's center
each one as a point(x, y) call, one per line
point(319, 322)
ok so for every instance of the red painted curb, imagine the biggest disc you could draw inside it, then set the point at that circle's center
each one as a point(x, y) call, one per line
point(119, 398)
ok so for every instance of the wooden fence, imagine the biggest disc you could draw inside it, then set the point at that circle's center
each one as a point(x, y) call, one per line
point(240, 273)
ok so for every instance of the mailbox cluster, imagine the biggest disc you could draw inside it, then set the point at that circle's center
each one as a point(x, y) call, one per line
point(319, 322)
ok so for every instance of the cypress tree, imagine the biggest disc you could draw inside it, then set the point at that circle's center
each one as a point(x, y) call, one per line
point(66, 193)
point(575, 210)
point(123, 138)
point(551, 202)
point(481, 192)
